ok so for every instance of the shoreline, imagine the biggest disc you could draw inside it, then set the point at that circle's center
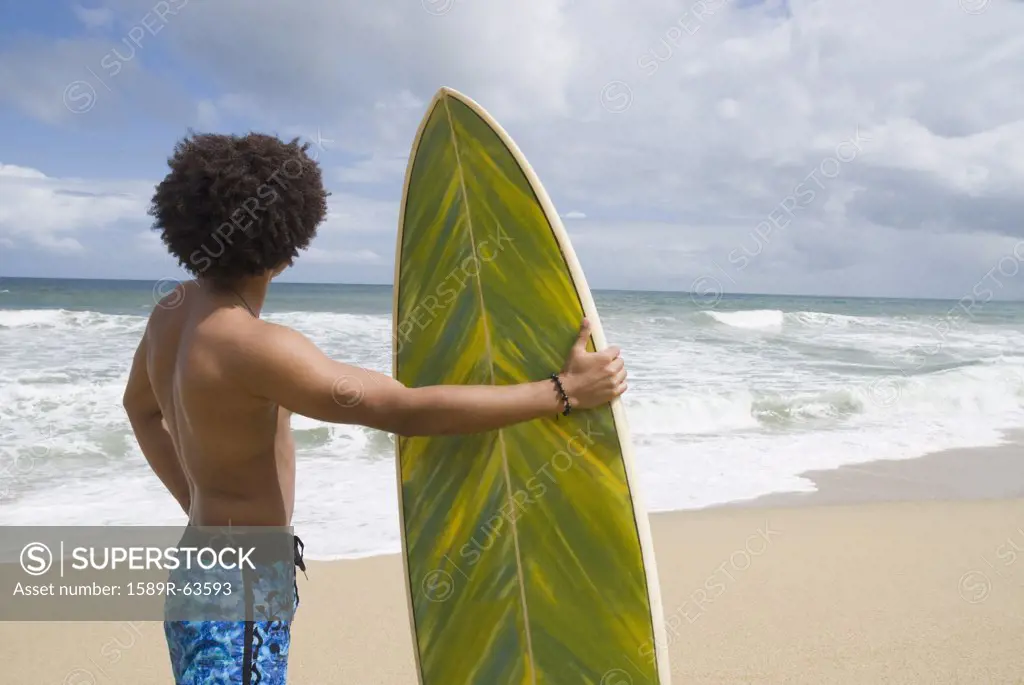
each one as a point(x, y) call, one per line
point(958, 474)
point(993, 472)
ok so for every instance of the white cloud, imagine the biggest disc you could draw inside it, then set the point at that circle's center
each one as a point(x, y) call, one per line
point(207, 116)
point(43, 79)
point(53, 213)
point(574, 215)
point(83, 82)
point(989, 162)
point(211, 114)
point(149, 243)
point(62, 215)
point(94, 18)
point(348, 213)
point(12, 171)
point(374, 170)
point(316, 255)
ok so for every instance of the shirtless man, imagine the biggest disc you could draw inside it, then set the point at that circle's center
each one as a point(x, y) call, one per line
point(212, 386)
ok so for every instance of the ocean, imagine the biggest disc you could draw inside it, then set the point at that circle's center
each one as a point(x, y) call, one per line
point(730, 398)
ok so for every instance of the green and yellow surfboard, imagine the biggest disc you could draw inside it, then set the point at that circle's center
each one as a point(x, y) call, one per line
point(527, 551)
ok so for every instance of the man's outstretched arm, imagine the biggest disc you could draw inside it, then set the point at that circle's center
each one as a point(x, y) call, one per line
point(150, 430)
point(287, 368)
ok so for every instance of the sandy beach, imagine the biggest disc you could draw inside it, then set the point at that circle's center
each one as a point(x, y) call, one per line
point(893, 572)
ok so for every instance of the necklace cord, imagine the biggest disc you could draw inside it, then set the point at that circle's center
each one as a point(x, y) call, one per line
point(244, 303)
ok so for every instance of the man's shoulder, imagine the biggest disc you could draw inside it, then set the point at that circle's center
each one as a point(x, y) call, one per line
point(254, 354)
point(246, 340)
point(171, 294)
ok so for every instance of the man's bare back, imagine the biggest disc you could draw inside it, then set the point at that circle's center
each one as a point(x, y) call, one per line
point(236, 450)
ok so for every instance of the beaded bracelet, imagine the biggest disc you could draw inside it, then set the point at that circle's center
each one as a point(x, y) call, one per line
point(561, 391)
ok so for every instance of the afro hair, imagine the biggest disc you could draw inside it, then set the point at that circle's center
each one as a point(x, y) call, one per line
point(237, 206)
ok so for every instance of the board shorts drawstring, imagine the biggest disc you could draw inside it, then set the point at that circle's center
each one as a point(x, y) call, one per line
point(299, 549)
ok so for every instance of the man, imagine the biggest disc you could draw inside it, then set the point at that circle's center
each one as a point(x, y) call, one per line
point(212, 386)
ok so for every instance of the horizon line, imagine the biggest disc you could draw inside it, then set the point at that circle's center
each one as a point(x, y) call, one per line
point(710, 297)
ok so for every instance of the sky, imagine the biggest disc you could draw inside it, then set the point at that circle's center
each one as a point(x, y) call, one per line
point(856, 147)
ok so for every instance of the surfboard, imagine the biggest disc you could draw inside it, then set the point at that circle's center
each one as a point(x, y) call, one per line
point(527, 552)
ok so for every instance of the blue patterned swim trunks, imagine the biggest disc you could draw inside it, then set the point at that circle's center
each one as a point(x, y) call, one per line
point(250, 652)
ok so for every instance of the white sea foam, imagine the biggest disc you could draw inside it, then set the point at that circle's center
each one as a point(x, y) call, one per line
point(775, 319)
point(757, 318)
point(723, 406)
point(62, 320)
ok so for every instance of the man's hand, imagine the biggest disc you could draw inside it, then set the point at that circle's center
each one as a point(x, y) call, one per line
point(592, 378)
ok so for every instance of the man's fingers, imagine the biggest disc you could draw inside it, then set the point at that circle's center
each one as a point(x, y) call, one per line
point(616, 364)
point(621, 388)
point(611, 353)
point(584, 336)
point(620, 377)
